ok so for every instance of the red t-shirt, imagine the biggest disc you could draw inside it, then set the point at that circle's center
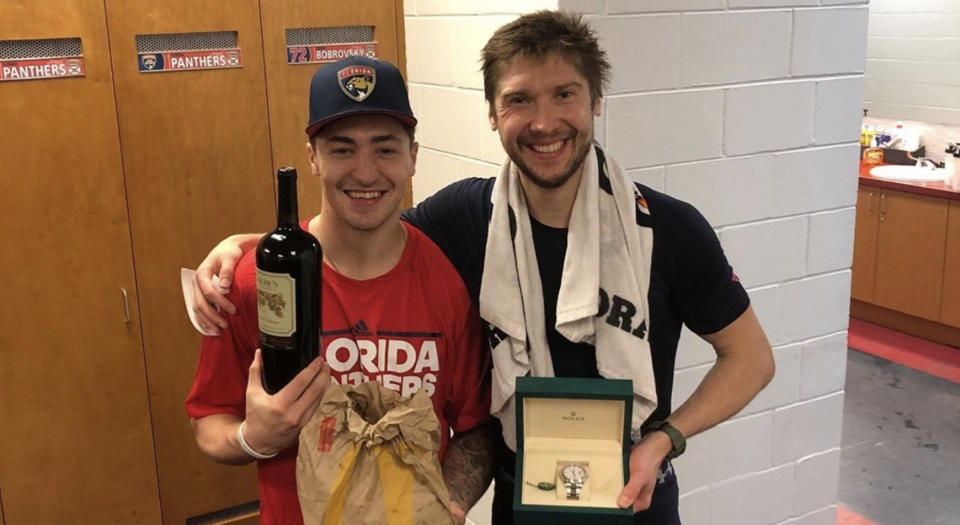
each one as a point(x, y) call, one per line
point(411, 328)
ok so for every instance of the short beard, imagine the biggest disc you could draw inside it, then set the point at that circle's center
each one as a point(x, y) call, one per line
point(552, 184)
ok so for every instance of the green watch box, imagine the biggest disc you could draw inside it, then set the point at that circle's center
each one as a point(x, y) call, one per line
point(578, 422)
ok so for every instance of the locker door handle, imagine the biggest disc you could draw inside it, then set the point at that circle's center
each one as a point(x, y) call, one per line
point(871, 201)
point(883, 201)
point(126, 305)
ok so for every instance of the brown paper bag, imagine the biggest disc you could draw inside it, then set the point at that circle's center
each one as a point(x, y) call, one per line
point(370, 457)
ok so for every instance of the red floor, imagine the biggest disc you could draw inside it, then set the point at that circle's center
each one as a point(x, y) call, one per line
point(846, 516)
point(931, 358)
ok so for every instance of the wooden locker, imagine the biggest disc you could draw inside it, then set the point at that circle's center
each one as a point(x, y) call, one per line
point(196, 153)
point(910, 252)
point(288, 84)
point(76, 438)
point(950, 302)
point(865, 244)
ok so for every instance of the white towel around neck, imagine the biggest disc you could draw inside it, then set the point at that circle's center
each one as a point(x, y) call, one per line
point(606, 268)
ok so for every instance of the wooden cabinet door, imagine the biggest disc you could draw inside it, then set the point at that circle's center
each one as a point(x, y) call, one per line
point(865, 244)
point(950, 302)
point(75, 436)
point(196, 153)
point(910, 250)
point(288, 84)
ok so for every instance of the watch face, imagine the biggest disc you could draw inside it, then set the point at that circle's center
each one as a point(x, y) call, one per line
point(574, 473)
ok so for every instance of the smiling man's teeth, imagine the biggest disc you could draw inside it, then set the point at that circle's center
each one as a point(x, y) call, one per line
point(547, 148)
point(363, 194)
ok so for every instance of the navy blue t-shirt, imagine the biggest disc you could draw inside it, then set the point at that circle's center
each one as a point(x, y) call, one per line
point(691, 283)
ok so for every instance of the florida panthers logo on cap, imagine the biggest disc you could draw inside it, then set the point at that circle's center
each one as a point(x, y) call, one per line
point(357, 82)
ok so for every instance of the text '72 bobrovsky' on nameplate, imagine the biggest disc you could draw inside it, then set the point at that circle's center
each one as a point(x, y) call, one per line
point(326, 53)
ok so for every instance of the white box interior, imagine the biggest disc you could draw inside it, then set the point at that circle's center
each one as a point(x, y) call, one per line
point(560, 431)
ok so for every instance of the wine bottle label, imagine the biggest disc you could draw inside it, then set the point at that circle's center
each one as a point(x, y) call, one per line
point(276, 303)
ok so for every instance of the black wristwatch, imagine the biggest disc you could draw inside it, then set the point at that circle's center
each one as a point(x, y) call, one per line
point(678, 442)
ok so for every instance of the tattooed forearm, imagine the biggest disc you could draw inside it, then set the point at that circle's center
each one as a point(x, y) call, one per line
point(468, 464)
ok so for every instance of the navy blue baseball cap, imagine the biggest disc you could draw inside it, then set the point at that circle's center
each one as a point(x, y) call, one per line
point(357, 85)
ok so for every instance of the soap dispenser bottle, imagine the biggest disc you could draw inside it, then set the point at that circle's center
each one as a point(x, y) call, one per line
point(873, 156)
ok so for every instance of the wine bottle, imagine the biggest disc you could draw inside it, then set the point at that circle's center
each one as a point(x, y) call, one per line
point(288, 291)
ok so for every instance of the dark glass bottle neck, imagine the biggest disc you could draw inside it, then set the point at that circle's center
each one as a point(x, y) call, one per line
point(287, 214)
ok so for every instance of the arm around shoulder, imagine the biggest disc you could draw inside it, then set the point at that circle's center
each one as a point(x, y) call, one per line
point(221, 261)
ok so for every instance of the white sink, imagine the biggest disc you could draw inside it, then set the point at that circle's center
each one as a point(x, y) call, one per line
point(909, 173)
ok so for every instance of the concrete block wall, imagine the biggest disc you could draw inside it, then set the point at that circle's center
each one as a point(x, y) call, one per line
point(750, 110)
point(913, 60)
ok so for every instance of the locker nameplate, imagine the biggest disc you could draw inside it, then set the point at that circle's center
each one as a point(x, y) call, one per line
point(326, 53)
point(41, 59)
point(42, 68)
point(189, 60)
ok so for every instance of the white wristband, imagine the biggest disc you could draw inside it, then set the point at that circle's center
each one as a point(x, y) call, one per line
point(246, 448)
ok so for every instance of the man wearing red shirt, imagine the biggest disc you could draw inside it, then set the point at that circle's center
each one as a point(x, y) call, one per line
point(394, 308)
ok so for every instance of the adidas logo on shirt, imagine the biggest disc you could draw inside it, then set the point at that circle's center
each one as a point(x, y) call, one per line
point(360, 329)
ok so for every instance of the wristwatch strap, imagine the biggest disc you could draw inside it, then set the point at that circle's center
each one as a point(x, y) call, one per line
point(677, 441)
point(572, 489)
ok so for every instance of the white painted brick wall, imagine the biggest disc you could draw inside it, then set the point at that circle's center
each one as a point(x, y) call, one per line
point(751, 178)
point(663, 128)
point(824, 516)
point(785, 387)
point(469, 36)
point(615, 7)
point(653, 67)
point(829, 40)
point(767, 252)
point(811, 307)
point(740, 446)
point(770, 3)
point(830, 242)
point(654, 177)
point(816, 481)
point(913, 60)
point(838, 113)
point(824, 365)
point(806, 428)
point(759, 498)
point(430, 55)
point(815, 179)
point(756, 46)
point(695, 507)
point(765, 302)
point(750, 110)
point(432, 162)
point(693, 351)
point(769, 117)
